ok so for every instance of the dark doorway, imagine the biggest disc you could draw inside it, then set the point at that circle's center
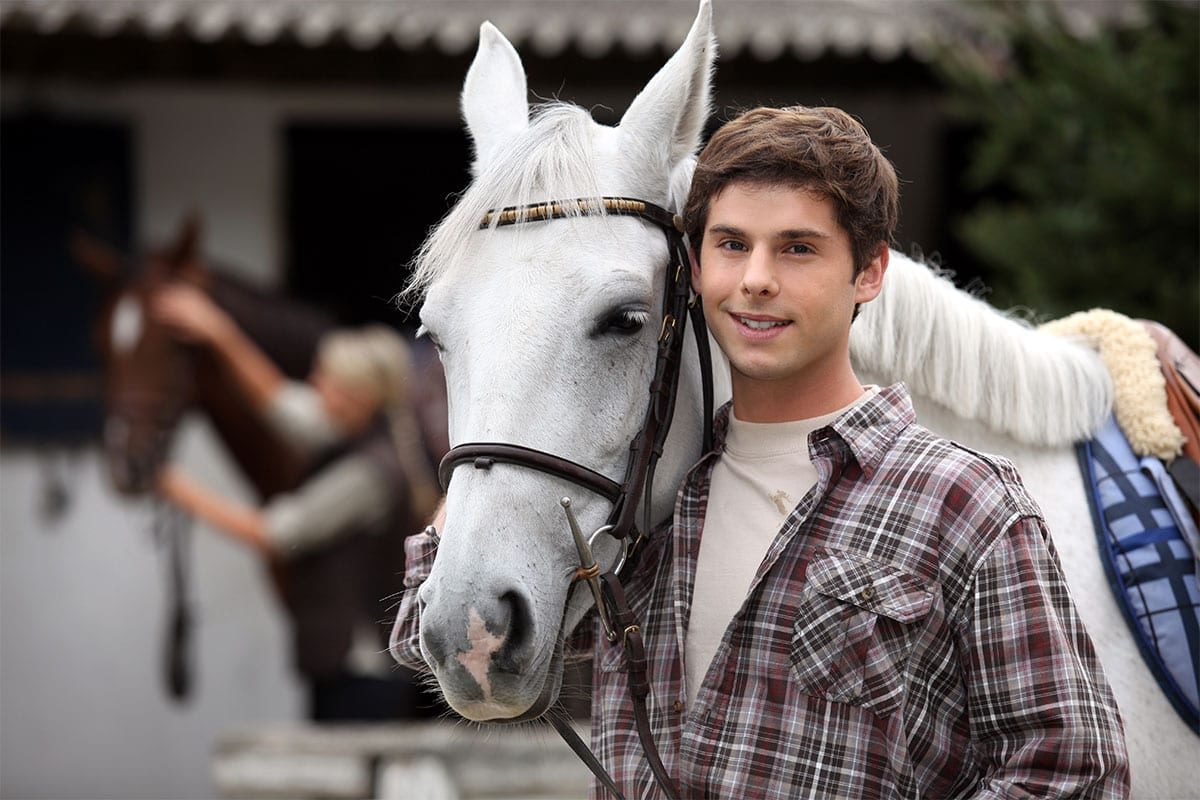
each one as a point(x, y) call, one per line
point(57, 176)
point(360, 199)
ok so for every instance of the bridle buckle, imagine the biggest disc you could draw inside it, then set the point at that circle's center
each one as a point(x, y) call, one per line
point(668, 326)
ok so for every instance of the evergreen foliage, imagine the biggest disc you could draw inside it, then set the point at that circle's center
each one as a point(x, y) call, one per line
point(1088, 162)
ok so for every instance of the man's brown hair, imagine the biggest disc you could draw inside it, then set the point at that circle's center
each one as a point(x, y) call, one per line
point(821, 150)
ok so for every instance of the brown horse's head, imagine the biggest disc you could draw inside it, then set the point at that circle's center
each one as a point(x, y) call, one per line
point(148, 375)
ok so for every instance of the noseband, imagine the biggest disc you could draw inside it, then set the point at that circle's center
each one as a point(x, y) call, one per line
point(637, 484)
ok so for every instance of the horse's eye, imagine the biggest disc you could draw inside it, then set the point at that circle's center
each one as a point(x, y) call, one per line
point(623, 322)
point(424, 333)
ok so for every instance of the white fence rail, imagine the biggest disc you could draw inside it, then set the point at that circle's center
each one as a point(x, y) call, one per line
point(400, 761)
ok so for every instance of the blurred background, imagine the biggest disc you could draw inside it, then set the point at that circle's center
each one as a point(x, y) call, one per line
point(1049, 152)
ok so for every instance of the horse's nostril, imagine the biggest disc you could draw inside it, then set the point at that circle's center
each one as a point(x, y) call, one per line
point(519, 636)
point(437, 647)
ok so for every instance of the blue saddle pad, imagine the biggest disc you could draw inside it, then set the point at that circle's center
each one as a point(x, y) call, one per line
point(1150, 566)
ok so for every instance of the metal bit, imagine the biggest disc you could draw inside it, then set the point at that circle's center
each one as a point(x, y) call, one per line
point(589, 570)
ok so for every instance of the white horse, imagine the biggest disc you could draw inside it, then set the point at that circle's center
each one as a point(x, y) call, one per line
point(547, 333)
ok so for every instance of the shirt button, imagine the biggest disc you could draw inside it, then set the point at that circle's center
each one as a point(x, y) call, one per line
point(679, 706)
point(867, 594)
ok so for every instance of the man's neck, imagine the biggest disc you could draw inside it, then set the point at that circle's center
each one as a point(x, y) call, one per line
point(795, 398)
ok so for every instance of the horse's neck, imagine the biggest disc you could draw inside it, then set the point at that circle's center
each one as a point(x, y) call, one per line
point(269, 463)
point(288, 333)
point(987, 366)
point(286, 329)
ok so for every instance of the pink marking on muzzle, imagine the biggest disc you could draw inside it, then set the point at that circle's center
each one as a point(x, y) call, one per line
point(478, 659)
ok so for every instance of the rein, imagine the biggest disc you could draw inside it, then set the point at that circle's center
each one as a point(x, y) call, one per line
point(172, 531)
point(616, 618)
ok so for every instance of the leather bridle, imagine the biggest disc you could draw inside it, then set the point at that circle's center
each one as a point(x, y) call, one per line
point(616, 618)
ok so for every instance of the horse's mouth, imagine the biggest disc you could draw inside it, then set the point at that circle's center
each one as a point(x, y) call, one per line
point(551, 687)
point(551, 683)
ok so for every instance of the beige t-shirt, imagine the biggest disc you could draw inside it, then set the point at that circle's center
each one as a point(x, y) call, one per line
point(764, 471)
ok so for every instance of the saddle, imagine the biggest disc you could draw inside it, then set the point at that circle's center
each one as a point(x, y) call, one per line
point(1181, 371)
point(1143, 487)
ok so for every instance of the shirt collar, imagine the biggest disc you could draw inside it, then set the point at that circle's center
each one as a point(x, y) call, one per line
point(864, 433)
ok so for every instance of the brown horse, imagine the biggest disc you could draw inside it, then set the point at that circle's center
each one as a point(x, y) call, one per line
point(151, 380)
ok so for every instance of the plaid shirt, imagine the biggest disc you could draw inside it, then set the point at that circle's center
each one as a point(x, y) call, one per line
point(909, 634)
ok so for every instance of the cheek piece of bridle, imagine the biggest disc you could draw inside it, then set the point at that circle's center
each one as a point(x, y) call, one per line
point(616, 618)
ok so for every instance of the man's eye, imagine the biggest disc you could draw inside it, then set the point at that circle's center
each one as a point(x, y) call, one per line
point(624, 322)
point(732, 245)
point(799, 249)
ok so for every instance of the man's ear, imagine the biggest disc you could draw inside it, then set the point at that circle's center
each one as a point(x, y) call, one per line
point(869, 283)
point(695, 269)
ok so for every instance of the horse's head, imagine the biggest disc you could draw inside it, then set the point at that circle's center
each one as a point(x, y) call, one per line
point(547, 332)
point(147, 374)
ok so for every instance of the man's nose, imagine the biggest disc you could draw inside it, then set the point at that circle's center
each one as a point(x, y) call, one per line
point(759, 277)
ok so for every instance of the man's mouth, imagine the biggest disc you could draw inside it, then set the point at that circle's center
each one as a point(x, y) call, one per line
point(758, 323)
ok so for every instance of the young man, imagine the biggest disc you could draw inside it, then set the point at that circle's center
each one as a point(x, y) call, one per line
point(847, 606)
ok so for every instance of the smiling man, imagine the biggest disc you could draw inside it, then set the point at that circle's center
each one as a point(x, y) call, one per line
point(779, 292)
point(847, 606)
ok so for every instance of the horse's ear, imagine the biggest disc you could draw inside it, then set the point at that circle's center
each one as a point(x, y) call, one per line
point(186, 247)
point(97, 258)
point(667, 118)
point(494, 101)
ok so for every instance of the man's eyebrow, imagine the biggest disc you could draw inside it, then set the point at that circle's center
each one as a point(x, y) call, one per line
point(790, 233)
point(802, 233)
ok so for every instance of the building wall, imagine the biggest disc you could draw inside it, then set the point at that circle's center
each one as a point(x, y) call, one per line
point(82, 616)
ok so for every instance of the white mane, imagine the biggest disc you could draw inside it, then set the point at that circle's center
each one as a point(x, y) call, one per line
point(984, 365)
point(552, 159)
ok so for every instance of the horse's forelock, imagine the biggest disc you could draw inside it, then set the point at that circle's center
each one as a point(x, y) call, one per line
point(553, 159)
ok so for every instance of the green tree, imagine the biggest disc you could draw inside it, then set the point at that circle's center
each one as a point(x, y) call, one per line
point(1087, 163)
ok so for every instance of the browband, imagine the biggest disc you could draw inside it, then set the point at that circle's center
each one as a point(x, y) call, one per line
point(582, 207)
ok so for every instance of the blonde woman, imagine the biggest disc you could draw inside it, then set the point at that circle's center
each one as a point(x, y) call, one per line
point(336, 541)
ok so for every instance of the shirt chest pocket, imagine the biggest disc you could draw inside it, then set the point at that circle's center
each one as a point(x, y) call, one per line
point(854, 631)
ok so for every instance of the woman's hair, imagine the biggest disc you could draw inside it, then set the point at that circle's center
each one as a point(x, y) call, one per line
point(820, 150)
point(377, 358)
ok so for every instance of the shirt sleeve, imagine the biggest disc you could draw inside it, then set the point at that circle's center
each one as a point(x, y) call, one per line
point(405, 643)
point(1043, 717)
point(349, 495)
point(295, 413)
